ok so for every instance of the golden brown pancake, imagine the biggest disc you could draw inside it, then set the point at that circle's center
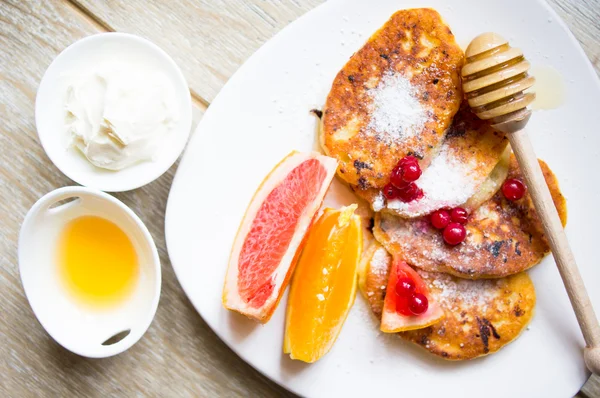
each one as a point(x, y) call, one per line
point(395, 96)
point(503, 237)
point(470, 152)
point(481, 316)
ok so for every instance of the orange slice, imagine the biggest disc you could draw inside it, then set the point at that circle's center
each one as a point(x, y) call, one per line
point(272, 232)
point(324, 285)
point(391, 320)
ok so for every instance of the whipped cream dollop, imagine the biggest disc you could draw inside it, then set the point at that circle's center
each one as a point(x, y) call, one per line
point(118, 115)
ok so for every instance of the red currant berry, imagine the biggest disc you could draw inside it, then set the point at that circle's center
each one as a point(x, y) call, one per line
point(408, 160)
point(459, 215)
point(391, 192)
point(513, 189)
point(418, 303)
point(440, 218)
point(405, 287)
point(454, 233)
point(402, 305)
point(410, 192)
point(411, 172)
point(396, 177)
point(407, 170)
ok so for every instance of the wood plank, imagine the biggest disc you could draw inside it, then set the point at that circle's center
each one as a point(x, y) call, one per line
point(591, 389)
point(211, 39)
point(180, 355)
point(208, 39)
point(583, 19)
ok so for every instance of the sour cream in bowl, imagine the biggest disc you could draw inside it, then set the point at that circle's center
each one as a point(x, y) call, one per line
point(113, 112)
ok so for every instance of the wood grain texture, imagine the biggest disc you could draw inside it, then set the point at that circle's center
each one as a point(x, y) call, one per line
point(591, 389)
point(179, 355)
point(209, 39)
point(583, 19)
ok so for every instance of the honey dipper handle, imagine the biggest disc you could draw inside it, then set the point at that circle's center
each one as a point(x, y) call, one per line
point(540, 194)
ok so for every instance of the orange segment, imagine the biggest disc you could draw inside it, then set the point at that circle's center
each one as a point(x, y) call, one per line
point(324, 285)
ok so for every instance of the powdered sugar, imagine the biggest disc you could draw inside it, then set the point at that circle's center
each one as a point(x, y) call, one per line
point(451, 291)
point(447, 182)
point(396, 112)
point(380, 262)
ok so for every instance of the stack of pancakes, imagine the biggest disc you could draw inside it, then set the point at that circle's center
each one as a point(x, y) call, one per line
point(400, 95)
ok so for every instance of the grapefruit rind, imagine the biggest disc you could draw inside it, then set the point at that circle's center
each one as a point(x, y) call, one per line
point(391, 320)
point(324, 316)
point(231, 296)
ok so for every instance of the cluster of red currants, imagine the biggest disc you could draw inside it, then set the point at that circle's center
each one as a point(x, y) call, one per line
point(452, 222)
point(402, 181)
point(409, 302)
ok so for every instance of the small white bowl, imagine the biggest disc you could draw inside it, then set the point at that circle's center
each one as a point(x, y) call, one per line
point(83, 330)
point(82, 56)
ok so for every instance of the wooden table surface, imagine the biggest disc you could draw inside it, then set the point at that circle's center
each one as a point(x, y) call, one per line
point(209, 39)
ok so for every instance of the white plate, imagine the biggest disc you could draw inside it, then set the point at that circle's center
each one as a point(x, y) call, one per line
point(263, 113)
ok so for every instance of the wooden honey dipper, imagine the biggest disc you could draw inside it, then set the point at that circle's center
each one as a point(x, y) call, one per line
point(494, 80)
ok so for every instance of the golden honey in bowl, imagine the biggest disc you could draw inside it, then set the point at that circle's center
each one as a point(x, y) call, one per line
point(97, 261)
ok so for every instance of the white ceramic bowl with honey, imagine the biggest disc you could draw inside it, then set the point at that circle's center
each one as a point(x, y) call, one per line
point(95, 307)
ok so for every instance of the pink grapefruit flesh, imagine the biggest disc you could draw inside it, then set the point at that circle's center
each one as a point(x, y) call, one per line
point(272, 231)
point(391, 320)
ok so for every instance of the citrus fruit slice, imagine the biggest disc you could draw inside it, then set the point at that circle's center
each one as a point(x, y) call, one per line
point(272, 232)
point(324, 285)
point(396, 315)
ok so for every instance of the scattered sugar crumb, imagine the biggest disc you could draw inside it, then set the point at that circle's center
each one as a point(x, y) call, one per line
point(396, 113)
point(320, 297)
point(379, 262)
point(326, 289)
point(379, 202)
point(325, 272)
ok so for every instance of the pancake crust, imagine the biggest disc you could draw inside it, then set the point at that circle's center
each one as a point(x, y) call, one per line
point(480, 316)
point(470, 151)
point(503, 237)
point(417, 45)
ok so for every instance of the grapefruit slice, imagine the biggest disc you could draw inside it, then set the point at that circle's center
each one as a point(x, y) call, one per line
point(393, 321)
point(324, 285)
point(272, 232)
